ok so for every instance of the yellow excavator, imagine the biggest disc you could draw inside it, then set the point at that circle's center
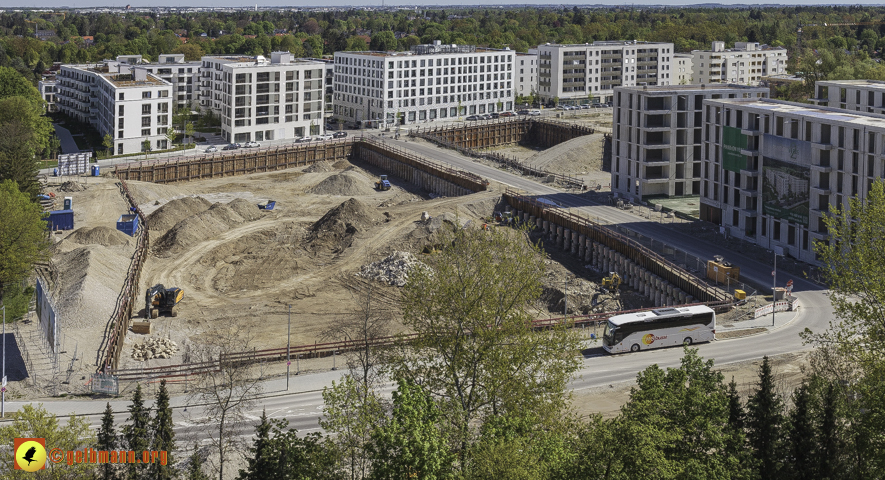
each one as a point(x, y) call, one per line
point(161, 300)
point(611, 283)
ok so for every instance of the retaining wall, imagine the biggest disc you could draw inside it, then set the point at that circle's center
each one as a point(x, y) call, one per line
point(543, 133)
point(640, 268)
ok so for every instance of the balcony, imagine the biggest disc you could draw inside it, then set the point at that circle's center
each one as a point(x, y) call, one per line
point(823, 146)
point(750, 131)
point(822, 189)
point(750, 173)
point(750, 152)
point(822, 168)
point(750, 212)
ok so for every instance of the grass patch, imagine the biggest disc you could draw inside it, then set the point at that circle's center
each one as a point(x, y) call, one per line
point(41, 164)
point(141, 154)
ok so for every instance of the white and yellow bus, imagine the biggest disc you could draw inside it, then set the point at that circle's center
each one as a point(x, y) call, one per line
point(663, 327)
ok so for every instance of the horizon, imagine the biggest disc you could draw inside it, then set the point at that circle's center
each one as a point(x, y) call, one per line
point(272, 4)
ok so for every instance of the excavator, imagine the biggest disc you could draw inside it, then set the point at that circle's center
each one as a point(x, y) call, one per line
point(161, 300)
point(382, 184)
point(610, 285)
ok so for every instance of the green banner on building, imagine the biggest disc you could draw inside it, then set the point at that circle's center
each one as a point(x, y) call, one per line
point(733, 141)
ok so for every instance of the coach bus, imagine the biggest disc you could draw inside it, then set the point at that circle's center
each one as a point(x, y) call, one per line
point(663, 327)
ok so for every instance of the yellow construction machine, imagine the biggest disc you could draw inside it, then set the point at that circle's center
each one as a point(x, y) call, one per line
point(611, 282)
point(162, 300)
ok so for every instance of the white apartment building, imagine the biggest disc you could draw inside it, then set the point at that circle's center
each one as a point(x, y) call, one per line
point(858, 95)
point(124, 101)
point(428, 82)
point(573, 73)
point(683, 69)
point(47, 89)
point(656, 144)
point(772, 169)
point(526, 73)
point(172, 67)
point(745, 64)
point(260, 99)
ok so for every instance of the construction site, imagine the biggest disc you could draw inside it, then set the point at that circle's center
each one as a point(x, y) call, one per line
point(254, 240)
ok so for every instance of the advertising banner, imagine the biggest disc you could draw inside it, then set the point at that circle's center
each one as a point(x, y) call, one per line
point(733, 141)
point(786, 178)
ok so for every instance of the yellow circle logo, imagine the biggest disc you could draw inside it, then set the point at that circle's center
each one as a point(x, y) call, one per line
point(648, 339)
point(30, 456)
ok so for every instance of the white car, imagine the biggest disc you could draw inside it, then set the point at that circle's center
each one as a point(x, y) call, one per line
point(211, 149)
point(535, 113)
point(252, 145)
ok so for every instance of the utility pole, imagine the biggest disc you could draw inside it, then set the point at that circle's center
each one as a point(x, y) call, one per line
point(288, 346)
point(774, 286)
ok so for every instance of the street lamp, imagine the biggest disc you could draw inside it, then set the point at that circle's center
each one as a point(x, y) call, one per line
point(777, 251)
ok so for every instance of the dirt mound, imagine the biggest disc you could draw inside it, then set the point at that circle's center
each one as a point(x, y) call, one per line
point(578, 155)
point(105, 236)
point(342, 164)
point(71, 187)
point(249, 211)
point(345, 183)
point(336, 229)
point(218, 219)
point(89, 280)
point(175, 211)
point(258, 260)
point(320, 167)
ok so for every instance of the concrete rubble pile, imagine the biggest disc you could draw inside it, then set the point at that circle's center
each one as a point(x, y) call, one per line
point(154, 348)
point(393, 270)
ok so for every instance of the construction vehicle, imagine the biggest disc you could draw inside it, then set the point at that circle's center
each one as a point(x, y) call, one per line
point(160, 300)
point(611, 282)
point(382, 184)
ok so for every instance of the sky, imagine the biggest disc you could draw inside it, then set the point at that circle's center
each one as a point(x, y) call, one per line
point(337, 3)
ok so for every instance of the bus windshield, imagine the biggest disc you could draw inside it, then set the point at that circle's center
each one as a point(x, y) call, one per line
point(608, 334)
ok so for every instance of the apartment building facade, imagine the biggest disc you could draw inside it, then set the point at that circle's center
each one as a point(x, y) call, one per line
point(773, 169)
point(744, 64)
point(123, 101)
point(657, 137)
point(858, 95)
point(262, 99)
point(526, 73)
point(373, 89)
point(683, 69)
point(572, 74)
point(184, 76)
point(47, 88)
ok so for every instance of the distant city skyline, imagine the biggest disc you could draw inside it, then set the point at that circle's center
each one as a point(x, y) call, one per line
point(394, 3)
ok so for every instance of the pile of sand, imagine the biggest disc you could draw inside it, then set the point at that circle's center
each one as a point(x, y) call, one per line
point(256, 261)
point(89, 281)
point(322, 166)
point(581, 154)
point(336, 229)
point(104, 236)
point(71, 187)
point(344, 183)
point(175, 211)
point(342, 164)
point(218, 219)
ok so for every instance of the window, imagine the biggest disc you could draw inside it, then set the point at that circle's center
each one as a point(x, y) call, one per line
point(145, 121)
point(145, 132)
point(120, 148)
point(120, 124)
point(146, 109)
point(121, 111)
point(145, 94)
point(121, 98)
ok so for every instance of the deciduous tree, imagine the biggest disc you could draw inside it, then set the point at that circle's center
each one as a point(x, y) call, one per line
point(23, 240)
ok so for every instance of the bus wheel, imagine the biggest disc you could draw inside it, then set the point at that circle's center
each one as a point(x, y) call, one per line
point(687, 341)
point(635, 347)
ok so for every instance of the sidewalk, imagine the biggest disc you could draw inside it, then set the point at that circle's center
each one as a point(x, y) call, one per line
point(781, 319)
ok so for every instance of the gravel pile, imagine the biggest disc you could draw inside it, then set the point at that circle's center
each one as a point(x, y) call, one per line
point(175, 211)
point(320, 167)
point(154, 348)
point(393, 270)
point(71, 187)
point(345, 183)
point(100, 235)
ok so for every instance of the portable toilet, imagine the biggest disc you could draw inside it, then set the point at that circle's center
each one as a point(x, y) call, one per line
point(69, 201)
point(54, 172)
point(95, 172)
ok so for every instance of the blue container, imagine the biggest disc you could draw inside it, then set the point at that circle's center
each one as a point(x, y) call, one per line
point(95, 170)
point(267, 206)
point(54, 172)
point(60, 220)
point(128, 224)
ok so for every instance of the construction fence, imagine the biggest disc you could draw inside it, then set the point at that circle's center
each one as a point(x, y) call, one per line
point(242, 162)
point(118, 325)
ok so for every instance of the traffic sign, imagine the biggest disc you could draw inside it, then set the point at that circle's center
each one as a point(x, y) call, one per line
point(4, 380)
point(773, 272)
point(2, 389)
point(288, 363)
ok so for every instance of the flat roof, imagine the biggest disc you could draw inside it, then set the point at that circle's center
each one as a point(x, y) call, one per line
point(604, 43)
point(854, 83)
point(242, 61)
point(371, 53)
point(126, 80)
point(805, 110)
point(690, 88)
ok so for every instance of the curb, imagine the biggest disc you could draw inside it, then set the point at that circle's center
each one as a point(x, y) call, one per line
point(767, 329)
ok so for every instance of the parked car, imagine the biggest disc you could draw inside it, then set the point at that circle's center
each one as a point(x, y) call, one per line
point(560, 107)
point(495, 115)
point(507, 114)
point(317, 138)
point(302, 140)
point(522, 112)
point(535, 113)
point(339, 134)
point(327, 136)
point(211, 149)
point(252, 145)
point(473, 118)
point(232, 146)
point(585, 107)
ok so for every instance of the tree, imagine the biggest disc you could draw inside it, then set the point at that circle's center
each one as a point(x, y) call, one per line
point(260, 464)
point(35, 422)
point(228, 391)
point(195, 467)
point(801, 437)
point(189, 130)
point(137, 434)
point(107, 441)
point(108, 143)
point(23, 240)
point(383, 41)
point(146, 146)
point(735, 409)
point(36, 130)
point(411, 443)
point(13, 84)
point(351, 411)
point(171, 135)
point(764, 422)
point(163, 435)
point(475, 350)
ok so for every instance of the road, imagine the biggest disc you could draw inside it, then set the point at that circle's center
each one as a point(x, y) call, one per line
point(302, 404)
